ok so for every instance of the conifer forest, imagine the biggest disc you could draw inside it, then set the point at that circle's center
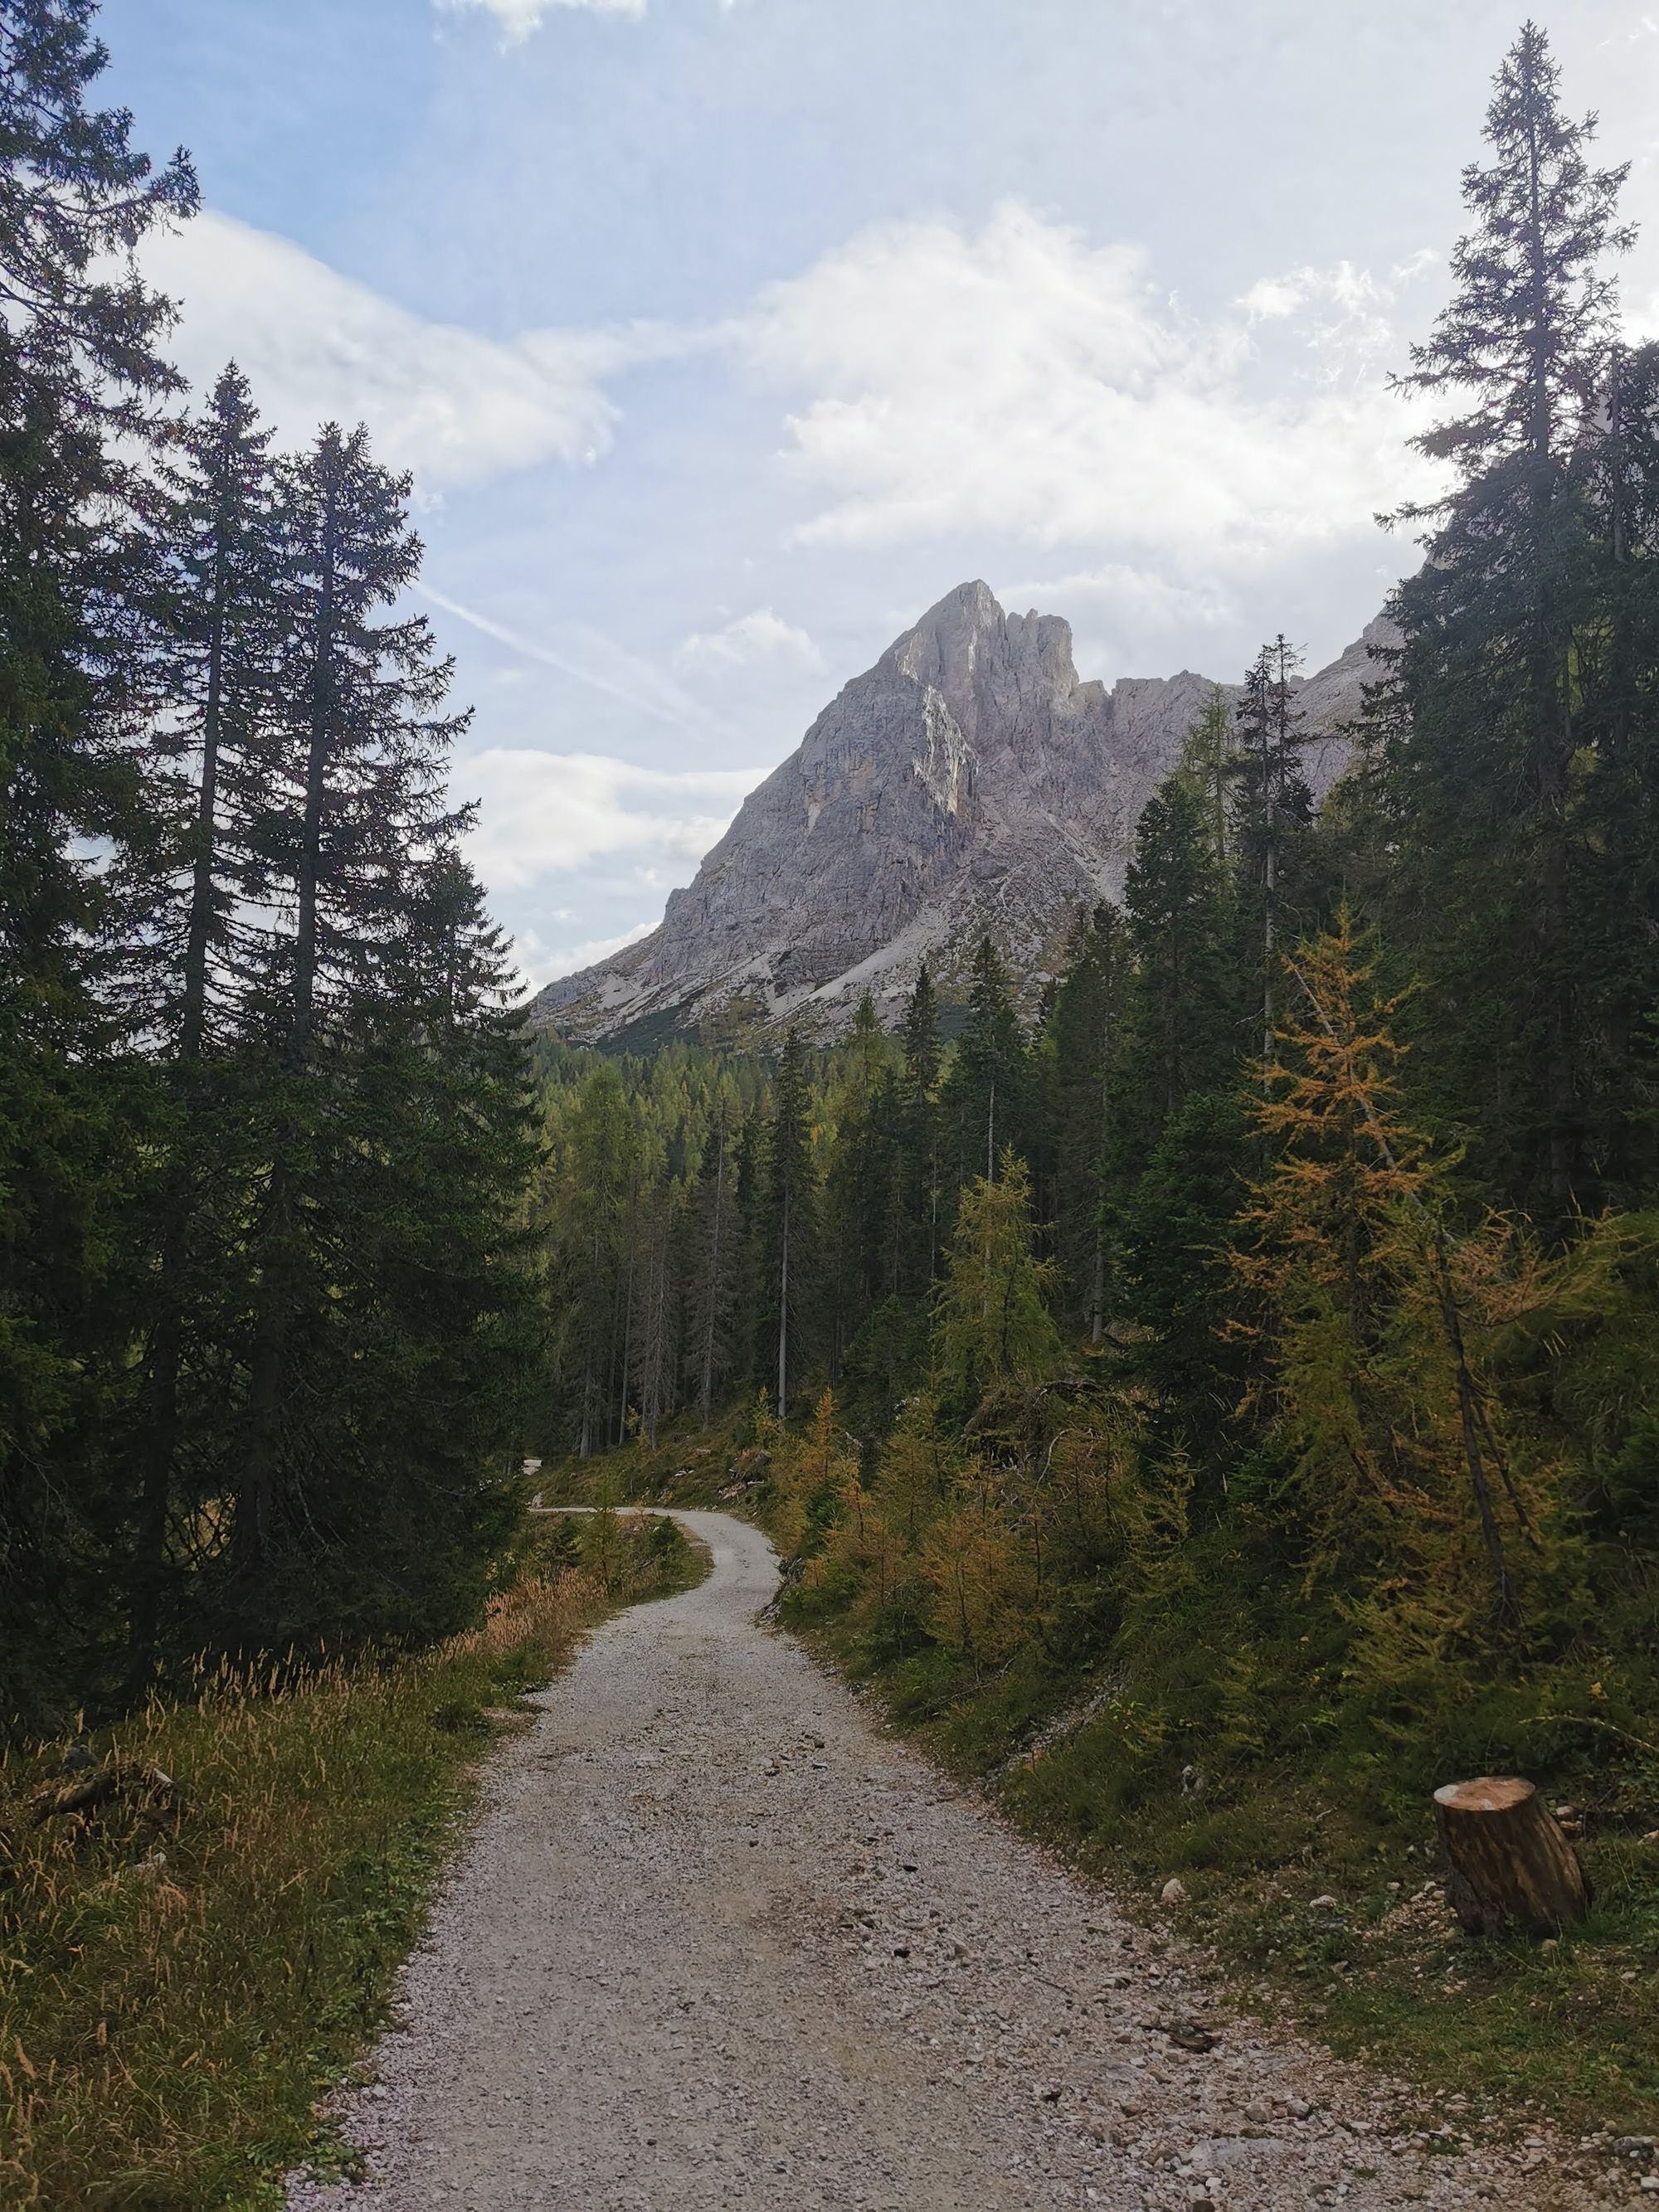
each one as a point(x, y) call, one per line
point(1202, 1381)
point(1284, 1291)
point(1245, 1334)
point(1299, 1238)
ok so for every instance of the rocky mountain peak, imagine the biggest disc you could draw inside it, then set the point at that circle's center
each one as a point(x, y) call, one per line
point(969, 780)
point(984, 664)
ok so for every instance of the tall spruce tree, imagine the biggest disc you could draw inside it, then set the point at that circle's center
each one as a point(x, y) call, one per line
point(599, 1145)
point(219, 612)
point(1489, 766)
point(1209, 752)
point(1177, 1134)
point(418, 1397)
point(356, 838)
point(1273, 808)
point(920, 1135)
point(1080, 1044)
point(715, 1253)
point(1183, 1020)
point(860, 1199)
point(989, 1096)
point(790, 1214)
point(81, 378)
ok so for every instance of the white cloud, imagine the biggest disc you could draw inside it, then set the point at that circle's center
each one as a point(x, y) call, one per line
point(518, 18)
point(1024, 381)
point(761, 636)
point(454, 407)
point(1136, 599)
point(543, 813)
point(541, 963)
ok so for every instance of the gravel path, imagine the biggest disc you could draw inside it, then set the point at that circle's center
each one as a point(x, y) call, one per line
point(715, 1941)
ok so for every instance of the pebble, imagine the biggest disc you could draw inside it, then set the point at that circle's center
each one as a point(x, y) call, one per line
point(657, 1924)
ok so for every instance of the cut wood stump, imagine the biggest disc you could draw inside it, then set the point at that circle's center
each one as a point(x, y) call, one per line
point(1508, 1862)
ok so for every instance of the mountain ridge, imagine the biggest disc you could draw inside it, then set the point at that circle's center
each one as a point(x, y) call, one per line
point(970, 781)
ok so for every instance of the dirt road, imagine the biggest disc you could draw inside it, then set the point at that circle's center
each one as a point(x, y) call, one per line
point(716, 1941)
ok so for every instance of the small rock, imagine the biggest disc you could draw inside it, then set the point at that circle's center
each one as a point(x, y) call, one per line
point(1174, 1891)
point(1321, 1904)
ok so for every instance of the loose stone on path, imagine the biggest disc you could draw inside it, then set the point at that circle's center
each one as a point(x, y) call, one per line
point(714, 1941)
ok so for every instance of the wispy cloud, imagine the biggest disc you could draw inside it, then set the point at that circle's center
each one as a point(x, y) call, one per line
point(591, 658)
point(761, 636)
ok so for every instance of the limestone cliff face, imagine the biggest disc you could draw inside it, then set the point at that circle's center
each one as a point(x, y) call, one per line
point(970, 781)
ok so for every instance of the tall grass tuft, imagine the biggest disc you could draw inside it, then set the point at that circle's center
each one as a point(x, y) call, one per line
point(178, 1981)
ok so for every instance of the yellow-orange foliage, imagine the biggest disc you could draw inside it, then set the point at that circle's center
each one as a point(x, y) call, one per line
point(1379, 1321)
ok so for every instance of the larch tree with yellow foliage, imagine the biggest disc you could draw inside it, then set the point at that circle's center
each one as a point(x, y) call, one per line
point(1378, 1323)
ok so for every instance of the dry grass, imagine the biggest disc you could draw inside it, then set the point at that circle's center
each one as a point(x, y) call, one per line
point(179, 1983)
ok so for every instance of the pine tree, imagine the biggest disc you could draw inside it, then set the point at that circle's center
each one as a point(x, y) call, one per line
point(1080, 1044)
point(219, 613)
point(1272, 806)
point(790, 1212)
point(990, 1094)
point(599, 1169)
point(356, 831)
point(715, 1248)
point(1182, 1032)
point(81, 378)
point(1487, 767)
point(861, 1218)
point(920, 1135)
point(1209, 753)
point(419, 1394)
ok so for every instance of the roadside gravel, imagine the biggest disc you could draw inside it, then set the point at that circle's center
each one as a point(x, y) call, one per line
point(714, 1941)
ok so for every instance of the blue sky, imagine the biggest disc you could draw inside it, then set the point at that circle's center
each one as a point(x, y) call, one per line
point(724, 335)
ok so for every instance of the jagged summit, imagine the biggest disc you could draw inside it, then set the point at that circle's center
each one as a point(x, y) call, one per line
point(970, 781)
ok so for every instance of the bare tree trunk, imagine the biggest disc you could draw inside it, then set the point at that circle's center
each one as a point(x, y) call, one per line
point(783, 1311)
point(1504, 1604)
point(251, 1537)
point(160, 1439)
point(711, 1318)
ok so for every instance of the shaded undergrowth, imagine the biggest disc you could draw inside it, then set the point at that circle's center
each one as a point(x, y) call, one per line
point(184, 1973)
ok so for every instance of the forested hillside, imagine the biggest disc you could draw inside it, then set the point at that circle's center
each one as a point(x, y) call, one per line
point(266, 1303)
point(1278, 1319)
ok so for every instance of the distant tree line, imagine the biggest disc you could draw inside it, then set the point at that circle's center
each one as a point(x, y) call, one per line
point(1316, 1213)
point(267, 1298)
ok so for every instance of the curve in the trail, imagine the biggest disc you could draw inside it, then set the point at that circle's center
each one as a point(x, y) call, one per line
point(715, 1941)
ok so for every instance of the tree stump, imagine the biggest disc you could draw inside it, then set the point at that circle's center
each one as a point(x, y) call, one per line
point(1509, 1864)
